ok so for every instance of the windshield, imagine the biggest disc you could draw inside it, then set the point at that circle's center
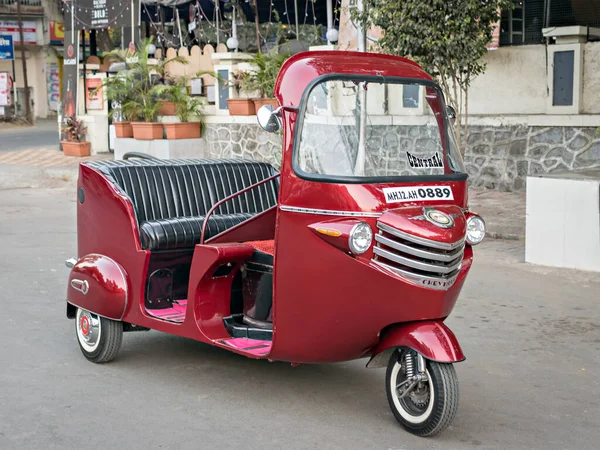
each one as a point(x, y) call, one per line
point(385, 128)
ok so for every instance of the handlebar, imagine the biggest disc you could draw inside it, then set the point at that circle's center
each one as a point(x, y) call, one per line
point(220, 202)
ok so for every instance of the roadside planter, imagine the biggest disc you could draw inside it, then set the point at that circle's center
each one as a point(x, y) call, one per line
point(75, 145)
point(123, 129)
point(183, 130)
point(147, 130)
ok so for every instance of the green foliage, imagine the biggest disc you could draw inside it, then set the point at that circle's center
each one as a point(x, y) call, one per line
point(145, 82)
point(262, 79)
point(185, 106)
point(74, 130)
point(237, 81)
point(447, 38)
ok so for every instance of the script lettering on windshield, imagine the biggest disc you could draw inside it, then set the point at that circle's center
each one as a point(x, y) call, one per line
point(419, 193)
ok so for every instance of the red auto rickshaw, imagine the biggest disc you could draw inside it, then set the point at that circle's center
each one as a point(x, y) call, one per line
point(358, 247)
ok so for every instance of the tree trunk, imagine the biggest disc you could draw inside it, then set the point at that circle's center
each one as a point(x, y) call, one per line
point(257, 26)
point(103, 41)
point(25, 82)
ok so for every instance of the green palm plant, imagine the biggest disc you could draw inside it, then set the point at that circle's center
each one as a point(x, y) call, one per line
point(185, 106)
point(263, 78)
point(146, 81)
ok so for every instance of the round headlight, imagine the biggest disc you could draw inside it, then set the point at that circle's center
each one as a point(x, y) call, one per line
point(361, 237)
point(475, 230)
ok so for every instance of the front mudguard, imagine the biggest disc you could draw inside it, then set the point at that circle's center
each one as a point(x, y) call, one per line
point(432, 339)
point(98, 284)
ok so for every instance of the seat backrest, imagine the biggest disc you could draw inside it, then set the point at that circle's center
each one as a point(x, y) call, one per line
point(162, 189)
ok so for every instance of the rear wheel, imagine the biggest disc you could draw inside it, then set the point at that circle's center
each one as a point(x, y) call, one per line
point(423, 406)
point(99, 338)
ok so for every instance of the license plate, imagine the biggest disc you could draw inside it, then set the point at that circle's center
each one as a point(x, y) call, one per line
point(417, 194)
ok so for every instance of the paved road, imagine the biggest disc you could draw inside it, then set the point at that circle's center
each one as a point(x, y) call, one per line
point(43, 135)
point(530, 381)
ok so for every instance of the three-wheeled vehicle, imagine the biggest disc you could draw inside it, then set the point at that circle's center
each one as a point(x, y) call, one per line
point(356, 248)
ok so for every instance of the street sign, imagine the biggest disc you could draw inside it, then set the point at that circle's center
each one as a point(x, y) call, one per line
point(7, 49)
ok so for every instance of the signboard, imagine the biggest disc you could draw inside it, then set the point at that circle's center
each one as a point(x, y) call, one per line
point(71, 58)
point(57, 33)
point(11, 27)
point(53, 83)
point(7, 49)
point(4, 97)
point(94, 100)
point(99, 14)
point(5, 87)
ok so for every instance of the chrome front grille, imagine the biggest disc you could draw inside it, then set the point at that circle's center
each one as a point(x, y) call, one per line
point(432, 264)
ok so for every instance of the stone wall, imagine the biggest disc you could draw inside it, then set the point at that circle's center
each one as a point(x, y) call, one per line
point(496, 157)
point(247, 141)
point(502, 157)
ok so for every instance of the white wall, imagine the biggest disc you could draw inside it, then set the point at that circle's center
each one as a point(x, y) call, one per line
point(591, 78)
point(514, 82)
point(36, 78)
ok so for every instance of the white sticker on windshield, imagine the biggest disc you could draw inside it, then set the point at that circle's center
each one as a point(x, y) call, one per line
point(415, 194)
point(426, 163)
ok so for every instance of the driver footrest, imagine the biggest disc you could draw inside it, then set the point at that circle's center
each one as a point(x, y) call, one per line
point(236, 328)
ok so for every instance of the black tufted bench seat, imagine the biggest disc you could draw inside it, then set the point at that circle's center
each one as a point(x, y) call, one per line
point(172, 197)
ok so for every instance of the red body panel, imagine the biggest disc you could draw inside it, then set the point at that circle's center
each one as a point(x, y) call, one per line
point(433, 339)
point(104, 284)
point(259, 228)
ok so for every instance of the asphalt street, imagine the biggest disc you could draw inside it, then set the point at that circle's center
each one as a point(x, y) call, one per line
point(44, 134)
point(531, 379)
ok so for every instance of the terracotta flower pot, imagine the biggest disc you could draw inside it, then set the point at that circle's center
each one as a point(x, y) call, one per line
point(147, 130)
point(258, 102)
point(183, 130)
point(241, 107)
point(76, 148)
point(123, 129)
point(166, 108)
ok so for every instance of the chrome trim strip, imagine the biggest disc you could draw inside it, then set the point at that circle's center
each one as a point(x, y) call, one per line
point(329, 212)
point(435, 283)
point(416, 264)
point(80, 285)
point(444, 257)
point(420, 240)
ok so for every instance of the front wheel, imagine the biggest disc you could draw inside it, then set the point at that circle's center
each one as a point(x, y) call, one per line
point(423, 403)
point(99, 338)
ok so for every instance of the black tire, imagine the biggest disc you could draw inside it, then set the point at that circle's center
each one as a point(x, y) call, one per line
point(436, 416)
point(108, 343)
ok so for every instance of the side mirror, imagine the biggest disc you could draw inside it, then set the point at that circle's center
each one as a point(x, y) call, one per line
point(268, 118)
point(451, 113)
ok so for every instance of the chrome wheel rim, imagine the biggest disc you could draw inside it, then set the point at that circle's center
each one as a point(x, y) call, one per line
point(412, 408)
point(88, 330)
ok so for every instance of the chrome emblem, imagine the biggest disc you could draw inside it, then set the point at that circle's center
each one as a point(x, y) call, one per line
point(438, 218)
point(80, 285)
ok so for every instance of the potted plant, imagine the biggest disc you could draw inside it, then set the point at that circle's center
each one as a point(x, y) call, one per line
point(185, 108)
point(147, 84)
point(145, 108)
point(118, 91)
point(262, 80)
point(74, 132)
point(239, 106)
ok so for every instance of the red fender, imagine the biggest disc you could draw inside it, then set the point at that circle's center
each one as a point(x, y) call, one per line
point(98, 284)
point(432, 339)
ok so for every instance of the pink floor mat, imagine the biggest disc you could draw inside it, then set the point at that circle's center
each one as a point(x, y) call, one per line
point(174, 314)
point(252, 346)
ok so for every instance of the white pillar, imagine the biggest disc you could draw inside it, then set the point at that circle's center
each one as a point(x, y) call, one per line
point(362, 32)
point(329, 18)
